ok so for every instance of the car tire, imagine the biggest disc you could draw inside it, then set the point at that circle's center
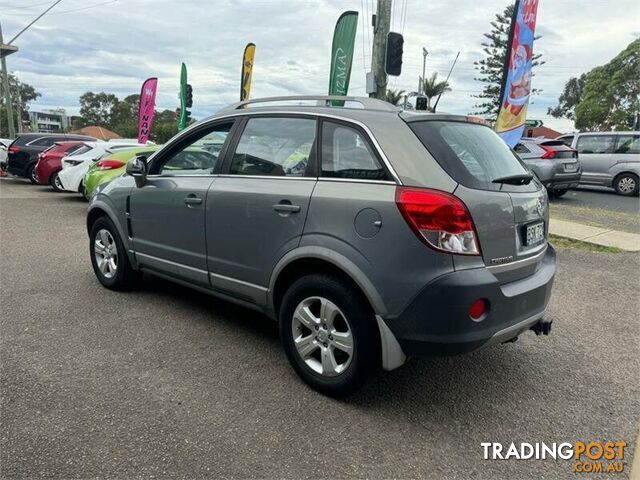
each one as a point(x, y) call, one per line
point(84, 193)
point(31, 174)
point(54, 181)
point(321, 320)
point(560, 192)
point(626, 184)
point(109, 257)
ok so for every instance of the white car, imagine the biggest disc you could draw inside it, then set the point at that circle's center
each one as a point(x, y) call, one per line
point(74, 166)
point(4, 145)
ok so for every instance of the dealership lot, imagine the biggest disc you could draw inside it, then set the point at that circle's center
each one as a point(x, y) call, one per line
point(165, 381)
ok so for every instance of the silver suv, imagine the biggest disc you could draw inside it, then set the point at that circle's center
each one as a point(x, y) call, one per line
point(367, 233)
point(609, 159)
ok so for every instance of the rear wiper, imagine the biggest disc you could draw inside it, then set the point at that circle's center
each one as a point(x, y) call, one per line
point(522, 179)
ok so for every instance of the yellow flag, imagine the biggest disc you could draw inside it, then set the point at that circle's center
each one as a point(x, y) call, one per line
point(247, 69)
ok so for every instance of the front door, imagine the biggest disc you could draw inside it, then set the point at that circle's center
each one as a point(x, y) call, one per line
point(168, 214)
point(256, 211)
point(595, 153)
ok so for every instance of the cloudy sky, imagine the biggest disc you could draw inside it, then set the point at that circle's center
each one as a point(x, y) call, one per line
point(112, 45)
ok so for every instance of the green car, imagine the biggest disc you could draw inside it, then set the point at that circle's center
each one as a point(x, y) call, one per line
point(110, 166)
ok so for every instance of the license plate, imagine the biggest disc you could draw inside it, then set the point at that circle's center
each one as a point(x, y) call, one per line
point(535, 234)
point(570, 167)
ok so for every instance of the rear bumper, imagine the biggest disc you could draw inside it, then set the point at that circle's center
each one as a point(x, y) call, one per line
point(561, 181)
point(437, 321)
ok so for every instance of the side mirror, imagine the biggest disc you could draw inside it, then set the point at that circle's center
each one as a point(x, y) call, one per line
point(137, 168)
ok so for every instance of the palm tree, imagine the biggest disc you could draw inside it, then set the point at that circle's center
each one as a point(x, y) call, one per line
point(432, 88)
point(394, 97)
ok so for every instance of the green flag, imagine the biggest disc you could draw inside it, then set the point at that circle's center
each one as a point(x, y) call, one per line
point(182, 121)
point(344, 37)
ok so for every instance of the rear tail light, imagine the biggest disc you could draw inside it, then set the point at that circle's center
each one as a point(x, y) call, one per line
point(13, 150)
point(439, 219)
point(549, 152)
point(478, 310)
point(109, 164)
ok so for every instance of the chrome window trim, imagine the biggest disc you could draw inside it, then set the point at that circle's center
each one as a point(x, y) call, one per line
point(505, 267)
point(237, 114)
point(356, 180)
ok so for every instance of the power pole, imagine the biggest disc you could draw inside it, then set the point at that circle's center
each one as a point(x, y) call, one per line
point(380, 31)
point(425, 52)
point(7, 93)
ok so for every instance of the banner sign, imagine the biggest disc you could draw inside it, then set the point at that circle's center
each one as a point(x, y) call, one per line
point(146, 108)
point(516, 86)
point(182, 119)
point(247, 70)
point(344, 37)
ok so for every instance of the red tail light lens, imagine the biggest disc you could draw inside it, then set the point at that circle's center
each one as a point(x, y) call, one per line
point(478, 309)
point(549, 152)
point(13, 150)
point(439, 219)
point(109, 164)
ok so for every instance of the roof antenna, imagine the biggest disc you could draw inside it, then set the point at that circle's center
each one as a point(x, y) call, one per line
point(446, 81)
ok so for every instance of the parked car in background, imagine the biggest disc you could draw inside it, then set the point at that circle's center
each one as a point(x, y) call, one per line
point(555, 164)
point(367, 233)
point(111, 165)
point(49, 163)
point(24, 150)
point(4, 145)
point(75, 167)
point(608, 159)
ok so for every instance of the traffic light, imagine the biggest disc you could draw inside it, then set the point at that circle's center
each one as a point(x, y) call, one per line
point(421, 103)
point(188, 117)
point(393, 58)
point(189, 102)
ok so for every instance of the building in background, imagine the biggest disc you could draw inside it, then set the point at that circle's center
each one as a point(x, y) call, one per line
point(543, 131)
point(49, 121)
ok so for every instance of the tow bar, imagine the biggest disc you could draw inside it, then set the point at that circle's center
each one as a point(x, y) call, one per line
point(543, 327)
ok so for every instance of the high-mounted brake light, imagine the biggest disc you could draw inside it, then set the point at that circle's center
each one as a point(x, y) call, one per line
point(439, 219)
point(549, 152)
point(109, 164)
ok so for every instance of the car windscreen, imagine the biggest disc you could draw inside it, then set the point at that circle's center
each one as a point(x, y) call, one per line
point(472, 154)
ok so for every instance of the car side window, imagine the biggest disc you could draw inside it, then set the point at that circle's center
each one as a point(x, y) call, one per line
point(595, 144)
point(628, 144)
point(520, 148)
point(278, 147)
point(44, 142)
point(566, 140)
point(199, 156)
point(347, 154)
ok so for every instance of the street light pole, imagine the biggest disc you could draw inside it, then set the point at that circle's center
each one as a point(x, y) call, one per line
point(7, 93)
point(425, 52)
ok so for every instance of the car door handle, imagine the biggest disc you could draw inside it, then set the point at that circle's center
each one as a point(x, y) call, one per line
point(286, 208)
point(192, 200)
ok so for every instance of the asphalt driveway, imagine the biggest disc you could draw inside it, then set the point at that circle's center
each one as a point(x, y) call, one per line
point(164, 382)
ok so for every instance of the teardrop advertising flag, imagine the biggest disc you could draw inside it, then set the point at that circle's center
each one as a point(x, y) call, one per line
point(247, 71)
point(516, 86)
point(146, 108)
point(344, 37)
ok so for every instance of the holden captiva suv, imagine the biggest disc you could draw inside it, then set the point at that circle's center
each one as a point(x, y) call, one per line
point(369, 234)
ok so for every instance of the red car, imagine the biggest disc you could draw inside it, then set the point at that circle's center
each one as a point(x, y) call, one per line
point(50, 163)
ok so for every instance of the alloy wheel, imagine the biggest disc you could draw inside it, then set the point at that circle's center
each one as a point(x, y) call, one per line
point(626, 185)
point(58, 182)
point(106, 253)
point(322, 336)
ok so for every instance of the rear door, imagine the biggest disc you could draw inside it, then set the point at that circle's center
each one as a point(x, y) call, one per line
point(596, 157)
point(511, 220)
point(167, 215)
point(257, 208)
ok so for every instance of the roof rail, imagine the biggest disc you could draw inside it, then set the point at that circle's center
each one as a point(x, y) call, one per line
point(323, 101)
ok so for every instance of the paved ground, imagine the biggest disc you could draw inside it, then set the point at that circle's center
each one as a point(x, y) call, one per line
point(599, 207)
point(165, 382)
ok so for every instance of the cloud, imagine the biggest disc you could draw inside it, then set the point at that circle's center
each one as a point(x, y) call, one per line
point(114, 47)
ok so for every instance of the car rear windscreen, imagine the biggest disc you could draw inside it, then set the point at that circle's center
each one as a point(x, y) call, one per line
point(472, 154)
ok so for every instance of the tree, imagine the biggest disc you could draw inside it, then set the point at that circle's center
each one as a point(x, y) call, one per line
point(96, 108)
point(124, 116)
point(394, 97)
point(569, 98)
point(611, 95)
point(21, 95)
point(491, 68)
point(432, 88)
